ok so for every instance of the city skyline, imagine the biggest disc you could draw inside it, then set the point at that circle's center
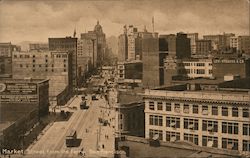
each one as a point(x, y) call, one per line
point(37, 21)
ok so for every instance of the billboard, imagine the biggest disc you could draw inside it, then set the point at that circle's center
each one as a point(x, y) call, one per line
point(18, 89)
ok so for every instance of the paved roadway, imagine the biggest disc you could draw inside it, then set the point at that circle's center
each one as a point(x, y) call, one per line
point(52, 142)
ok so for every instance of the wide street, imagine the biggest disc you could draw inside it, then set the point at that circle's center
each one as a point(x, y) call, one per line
point(96, 140)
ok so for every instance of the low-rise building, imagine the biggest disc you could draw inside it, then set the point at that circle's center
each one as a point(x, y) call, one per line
point(22, 103)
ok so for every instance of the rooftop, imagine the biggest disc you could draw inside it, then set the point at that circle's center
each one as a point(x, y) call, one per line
point(139, 147)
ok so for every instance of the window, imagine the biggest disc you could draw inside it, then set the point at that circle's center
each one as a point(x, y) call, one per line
point(46, 70)
point(52, 65)
point(155, 120)
point(195, 109)
point(245, 112)
point(151, 105)
point(235, 112)
point(246, 145)
point(168, 106)
point(214, 110)
point(230, 128)
point(34, 65)
point(46, 60)
point(200, 64)
point(21, 65)
point(210, 71)
point(159, 106)
point(40, 65)
point(153, 132)
point(191, 124)
point(177, 108)
point(64, 65)
point(34, 70)
point(172, 136)
point(52, 70)
point(34, 56)
point(186, 108)
point(27, 65)
point(191, 138)
point(246, 129)
point(210, 141)
point(224, 111)
point(231, 144)
point(64, 70)
point(205, 110)
point(34, 60)
point(210, 126)
point(200, 71)
point(173, 122)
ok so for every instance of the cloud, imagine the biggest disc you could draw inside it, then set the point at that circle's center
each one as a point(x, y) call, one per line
point(38, 20)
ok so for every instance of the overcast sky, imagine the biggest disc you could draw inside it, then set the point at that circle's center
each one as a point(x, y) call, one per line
point(39, 19)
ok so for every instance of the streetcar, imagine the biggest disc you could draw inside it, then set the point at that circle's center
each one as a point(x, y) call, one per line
point(71, 139)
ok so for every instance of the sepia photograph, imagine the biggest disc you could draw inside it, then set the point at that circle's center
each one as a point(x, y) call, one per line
point(124, 78)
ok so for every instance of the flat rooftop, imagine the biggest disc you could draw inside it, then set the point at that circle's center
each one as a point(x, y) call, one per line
point(139, 147)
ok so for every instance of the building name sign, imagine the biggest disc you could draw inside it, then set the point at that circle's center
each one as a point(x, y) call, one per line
point(18, 88)
point(228, 61)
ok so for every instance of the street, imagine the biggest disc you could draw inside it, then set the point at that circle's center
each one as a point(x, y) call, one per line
point(96, 140)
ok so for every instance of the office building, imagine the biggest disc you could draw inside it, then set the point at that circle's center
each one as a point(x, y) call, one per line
point(67, 44)
point(93, 45)
point(130, 73)
point(218, 41)
point(244, 44)
point(6, 50)
point(211, 119)
point(150, 60)
point(203, 47)
point(53, 65)
point(175, 45)
point(193, 38)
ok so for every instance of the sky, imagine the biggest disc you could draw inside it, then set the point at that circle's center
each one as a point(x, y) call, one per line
point(37, 20)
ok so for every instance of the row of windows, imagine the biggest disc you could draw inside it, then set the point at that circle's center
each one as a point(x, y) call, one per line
point(195, 109)
point(46, 56)
point(193, 124)
point(208, 141)
point(193, 64)
point(52, 70)
point(21, 65)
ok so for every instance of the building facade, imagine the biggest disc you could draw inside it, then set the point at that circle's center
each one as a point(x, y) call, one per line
point(203, 47)
point(38, 47)
point(210, 119)
point(236, 67)
point(67, 44)
point(93, 45)
point(55, 66)
point(193, 38)
point(22, 104)
point(176, 45)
